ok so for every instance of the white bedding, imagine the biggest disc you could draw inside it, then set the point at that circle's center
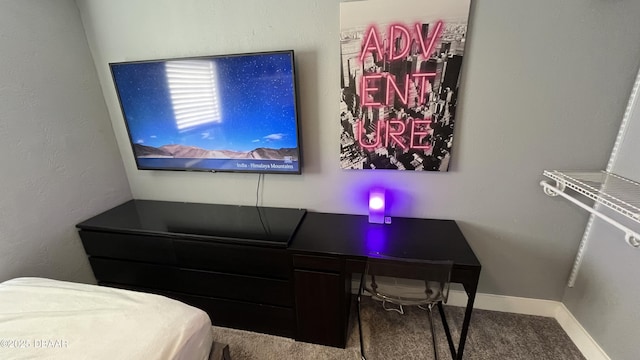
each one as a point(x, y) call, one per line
point(49, 319)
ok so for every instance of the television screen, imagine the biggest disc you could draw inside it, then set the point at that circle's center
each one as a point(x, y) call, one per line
point(217, 113)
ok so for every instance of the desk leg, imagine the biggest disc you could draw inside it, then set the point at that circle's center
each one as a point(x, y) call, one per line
point(471, 293)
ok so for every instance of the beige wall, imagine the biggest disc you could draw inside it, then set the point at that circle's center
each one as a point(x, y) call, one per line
point(60, 163)
point(606, 292)
point(544, 87)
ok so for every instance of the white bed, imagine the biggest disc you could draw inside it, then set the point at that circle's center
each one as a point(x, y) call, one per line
point(49, 319)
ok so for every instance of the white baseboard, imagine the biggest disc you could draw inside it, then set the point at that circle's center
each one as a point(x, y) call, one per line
point(580, 337)
point(512, 304)
point(519, 305)
point(587, 345)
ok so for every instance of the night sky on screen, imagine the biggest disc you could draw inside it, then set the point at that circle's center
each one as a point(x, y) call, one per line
point(256, 99)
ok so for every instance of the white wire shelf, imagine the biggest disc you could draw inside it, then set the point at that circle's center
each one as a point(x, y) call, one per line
point(610, 190)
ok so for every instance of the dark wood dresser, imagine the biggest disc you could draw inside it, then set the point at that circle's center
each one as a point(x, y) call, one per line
point(230, 261)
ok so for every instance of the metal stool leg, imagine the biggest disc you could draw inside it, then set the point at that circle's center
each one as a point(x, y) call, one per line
point(433, 332)
point(359, 320)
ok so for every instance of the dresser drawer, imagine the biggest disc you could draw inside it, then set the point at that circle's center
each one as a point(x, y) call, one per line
point(239, 259)
point(198, 282)
point(128, 247)
point(268, 319)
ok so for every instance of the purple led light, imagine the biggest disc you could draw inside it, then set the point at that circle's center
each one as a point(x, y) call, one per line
point(376, 206)
point(376, 203)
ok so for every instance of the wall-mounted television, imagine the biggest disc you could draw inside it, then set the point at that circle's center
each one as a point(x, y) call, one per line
point(233, 113)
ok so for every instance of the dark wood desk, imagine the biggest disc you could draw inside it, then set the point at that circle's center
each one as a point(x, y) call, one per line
point(328, 248)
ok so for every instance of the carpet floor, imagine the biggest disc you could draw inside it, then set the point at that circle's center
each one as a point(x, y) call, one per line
point(389, 335)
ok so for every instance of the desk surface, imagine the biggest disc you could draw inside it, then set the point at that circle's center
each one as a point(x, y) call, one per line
point(354, 236)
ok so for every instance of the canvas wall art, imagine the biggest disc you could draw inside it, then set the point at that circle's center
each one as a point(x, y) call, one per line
point(400, 72)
